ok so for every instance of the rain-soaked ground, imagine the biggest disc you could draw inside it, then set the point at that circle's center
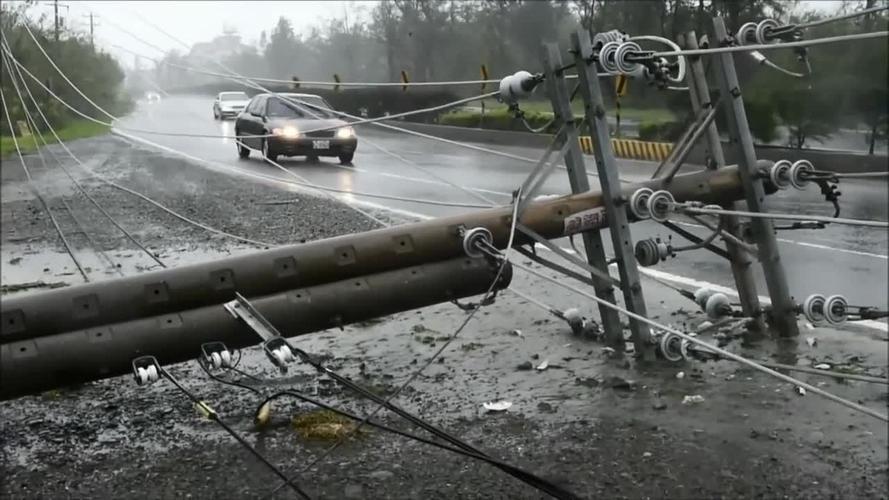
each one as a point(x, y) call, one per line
point(601, 427)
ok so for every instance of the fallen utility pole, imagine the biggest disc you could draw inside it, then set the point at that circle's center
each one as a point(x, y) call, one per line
point(290, 267)
point(78, 356)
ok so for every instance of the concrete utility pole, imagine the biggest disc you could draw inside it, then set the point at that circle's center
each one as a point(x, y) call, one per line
point(577, 177)
point(93, 331)
point(91, 16)
point(615, 203)
point(284, 268)
point(783, 314)
point(741, 261)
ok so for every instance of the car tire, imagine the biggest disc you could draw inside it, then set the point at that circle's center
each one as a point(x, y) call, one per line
point(267, 152)
point(312, 159)
point(346, 158)
point(215, 114)
point(243, 151)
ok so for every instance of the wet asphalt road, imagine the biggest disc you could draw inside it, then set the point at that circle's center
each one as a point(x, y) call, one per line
point(841, 259)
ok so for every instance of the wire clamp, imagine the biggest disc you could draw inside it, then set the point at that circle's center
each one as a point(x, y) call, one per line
point(146, 370)
point(216, 355)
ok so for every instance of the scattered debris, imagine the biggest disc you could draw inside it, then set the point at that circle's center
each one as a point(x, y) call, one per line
point(322, 425)
point(497, 406)
point(647, 454)
point(809, 326)
point(588, 382)
point(575, 320)
point(15, 260)
point(680, 375)
point(694, 399)
point(545, 407)
point(621, 384)
point(526, 366)
point(812, 341)
point(822, 366)
point(543, 366)
point(801, 390)
point(659, 405)
point(731, 376)
point(517, 333)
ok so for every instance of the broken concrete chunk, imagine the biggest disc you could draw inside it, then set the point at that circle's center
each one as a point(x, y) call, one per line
point(693, 399)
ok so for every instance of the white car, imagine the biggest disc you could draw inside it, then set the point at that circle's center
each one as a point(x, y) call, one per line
point(229, 104)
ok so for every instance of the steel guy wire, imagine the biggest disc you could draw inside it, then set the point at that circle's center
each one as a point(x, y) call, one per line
point(819, 22)
point(435, 355)
point(773, 46)
point(38, 195)
point(768, 215)
point(712, 348)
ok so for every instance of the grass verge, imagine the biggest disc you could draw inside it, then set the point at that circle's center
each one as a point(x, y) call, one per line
point(74, 130)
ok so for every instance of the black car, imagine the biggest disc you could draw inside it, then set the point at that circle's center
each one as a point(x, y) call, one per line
point(285, 127)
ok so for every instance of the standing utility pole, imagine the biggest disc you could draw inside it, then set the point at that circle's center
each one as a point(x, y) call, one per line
point(577, 176)
point(92, 27)
point(615, 203)
point(783, 314)
point(741, 261)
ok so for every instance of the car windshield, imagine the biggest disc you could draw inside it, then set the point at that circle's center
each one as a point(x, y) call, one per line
point(239, 96)
point(316, 107)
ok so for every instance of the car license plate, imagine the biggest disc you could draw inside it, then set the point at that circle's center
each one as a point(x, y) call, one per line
point(321, 144)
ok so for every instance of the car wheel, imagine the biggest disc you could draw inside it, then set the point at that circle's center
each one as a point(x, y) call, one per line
point(312, 159)
point(267, 152)
point(215, 114)
point(243, 151)
point(346, 158)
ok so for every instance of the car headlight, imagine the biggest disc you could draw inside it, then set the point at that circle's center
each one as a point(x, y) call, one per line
point(345, 133)
point(286, 132)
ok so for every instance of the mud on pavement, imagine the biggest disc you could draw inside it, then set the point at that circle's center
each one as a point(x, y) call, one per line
point(601, 427)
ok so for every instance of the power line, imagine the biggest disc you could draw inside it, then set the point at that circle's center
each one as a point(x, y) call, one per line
point(765, 215)
point(819, 22)
point(37, 193)
point(65, 170)
point(772, 46)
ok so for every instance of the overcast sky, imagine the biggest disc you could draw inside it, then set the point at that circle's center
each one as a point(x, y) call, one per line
point(200, 21)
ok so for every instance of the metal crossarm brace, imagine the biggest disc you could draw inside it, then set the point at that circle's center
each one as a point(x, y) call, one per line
point(783, 308)
point(592, 239)
point(741, 261)
point(618, 225)
point(243, 309)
